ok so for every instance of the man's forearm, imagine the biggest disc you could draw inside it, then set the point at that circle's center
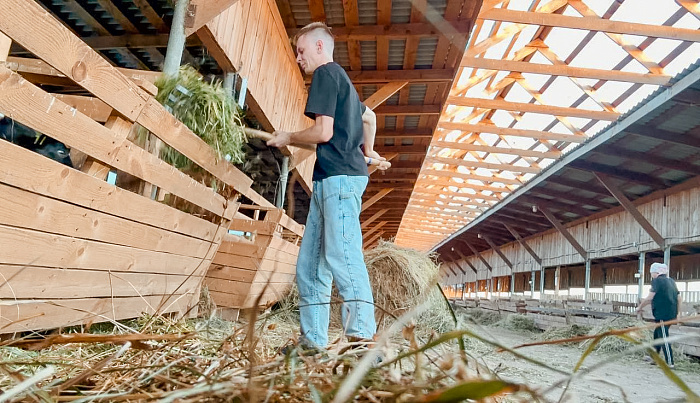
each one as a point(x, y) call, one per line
point(310, 135)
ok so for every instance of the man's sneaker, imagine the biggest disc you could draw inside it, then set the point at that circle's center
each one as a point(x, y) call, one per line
point(299, 349)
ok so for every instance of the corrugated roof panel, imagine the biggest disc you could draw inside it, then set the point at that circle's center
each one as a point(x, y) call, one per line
point(393, 100)
point(438, 5)
point(368, 11)
point(390, 122)
point(426, 52)
point(368, 55)
point(340, 54)
point(411, 122)
point(396, 53)
point(334, 12)
point(416, 94)
point(400, 11)
point(683, 121)
point(300, 10)
point(368, 90)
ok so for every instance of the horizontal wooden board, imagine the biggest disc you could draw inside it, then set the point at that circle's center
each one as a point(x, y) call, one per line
point(19, 208)
point(25, 22)
point(33, 107)
point(231, 273)
point(22, 315)
point(51, 179)
point(31, 282)
point(27, 247)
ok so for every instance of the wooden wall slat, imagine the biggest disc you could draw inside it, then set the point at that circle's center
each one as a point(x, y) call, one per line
point(28, 210)
point(21, 315)
point(51, 179)
point(21, 282)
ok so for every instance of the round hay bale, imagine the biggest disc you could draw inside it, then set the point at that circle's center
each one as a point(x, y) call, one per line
point(404, 278)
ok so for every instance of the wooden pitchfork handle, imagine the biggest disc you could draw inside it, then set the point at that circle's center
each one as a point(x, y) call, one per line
point(263, 135)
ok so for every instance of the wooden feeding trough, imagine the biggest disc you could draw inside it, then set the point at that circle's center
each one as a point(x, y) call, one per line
point(256, 264)
point(75, 248)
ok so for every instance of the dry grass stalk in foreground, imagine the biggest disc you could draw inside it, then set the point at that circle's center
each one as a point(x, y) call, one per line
point(214, 364)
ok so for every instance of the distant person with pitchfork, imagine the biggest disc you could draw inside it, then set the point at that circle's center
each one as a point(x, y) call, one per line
point(331, 249)
point(665, 303)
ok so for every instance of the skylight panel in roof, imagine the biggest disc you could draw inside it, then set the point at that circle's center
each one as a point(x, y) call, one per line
point(653, 13)
point(600, 53)
point(601, 6)
point(563, 92)
point(523, 39)
point(685, 59)
point(634, 99)
point(660, 48)
point(612, 89)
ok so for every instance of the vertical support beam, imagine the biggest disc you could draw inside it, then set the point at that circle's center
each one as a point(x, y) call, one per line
point(632, 209)
point(512, 283)
point(545, 211)
point(667, 256)
point(588, 279)
point(532, 282)
point(541, 282)
point(176, 40)
point(284, 175)
point(642, 258)
point(557, 274)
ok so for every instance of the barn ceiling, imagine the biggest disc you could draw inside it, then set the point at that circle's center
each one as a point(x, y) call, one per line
point(539, 78)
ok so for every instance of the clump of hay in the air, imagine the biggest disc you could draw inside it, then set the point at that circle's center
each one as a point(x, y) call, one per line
point(617, 344)
point(207, 110)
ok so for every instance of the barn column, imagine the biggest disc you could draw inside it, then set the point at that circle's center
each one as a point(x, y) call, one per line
point(541, 282)
point(557, 274)
point(667, 256)
point(642, 257)
point(588, 279)
point(176, 40)
point(532, 283)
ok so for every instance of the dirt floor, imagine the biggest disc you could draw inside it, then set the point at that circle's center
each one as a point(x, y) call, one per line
point(626, 380)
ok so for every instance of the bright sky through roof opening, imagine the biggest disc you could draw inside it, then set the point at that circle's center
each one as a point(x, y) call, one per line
point(527, 94)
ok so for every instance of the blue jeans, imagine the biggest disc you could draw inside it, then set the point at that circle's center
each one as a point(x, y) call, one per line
point(332, 250)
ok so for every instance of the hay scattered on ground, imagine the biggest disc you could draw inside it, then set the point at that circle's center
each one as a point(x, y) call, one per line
point(482, 316)
point(211, 360)
point(617, 344)
point(519, 323)
point(565, 332)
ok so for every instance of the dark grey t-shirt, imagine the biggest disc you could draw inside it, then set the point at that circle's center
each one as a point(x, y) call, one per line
point(332, 94)
point(664, 305)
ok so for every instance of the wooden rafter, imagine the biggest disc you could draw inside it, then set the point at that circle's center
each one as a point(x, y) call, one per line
point(376, 198)
point(533, 108)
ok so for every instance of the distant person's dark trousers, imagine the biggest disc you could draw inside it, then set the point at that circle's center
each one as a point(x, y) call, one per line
point(661, 332)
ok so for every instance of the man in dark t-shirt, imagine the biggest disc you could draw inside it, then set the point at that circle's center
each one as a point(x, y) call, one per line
point(665, 301)
point(331, 249)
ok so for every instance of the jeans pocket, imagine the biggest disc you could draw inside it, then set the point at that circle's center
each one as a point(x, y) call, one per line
point(349, 200)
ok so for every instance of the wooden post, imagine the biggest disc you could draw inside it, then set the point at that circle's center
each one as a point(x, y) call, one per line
point(667, 256)
point(5, 44)
point(588, 279)
point(541, 282)
point(557, 273)
point(642, 257)
point(176, 40)
point(532, 283)
point(512, 283)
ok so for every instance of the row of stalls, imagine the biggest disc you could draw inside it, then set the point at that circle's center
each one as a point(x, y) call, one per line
point(79, 248)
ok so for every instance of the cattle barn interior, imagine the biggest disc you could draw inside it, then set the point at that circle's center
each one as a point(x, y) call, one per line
point(537, 172)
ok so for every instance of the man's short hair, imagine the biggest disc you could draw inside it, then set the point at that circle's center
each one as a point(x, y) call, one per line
point(320, 31)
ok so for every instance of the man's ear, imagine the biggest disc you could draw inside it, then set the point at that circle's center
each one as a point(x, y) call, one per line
point(319, 46)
